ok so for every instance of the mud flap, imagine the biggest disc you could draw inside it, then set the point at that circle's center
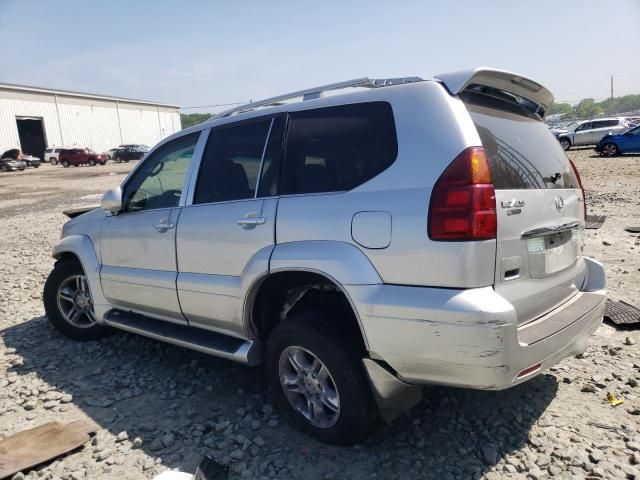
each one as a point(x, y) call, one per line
point(393, 396)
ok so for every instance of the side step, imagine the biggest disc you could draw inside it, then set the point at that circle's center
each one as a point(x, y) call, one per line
point(205, 341)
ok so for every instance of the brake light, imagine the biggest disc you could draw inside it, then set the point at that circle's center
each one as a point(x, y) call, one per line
point(463, 201)
point(584, 197)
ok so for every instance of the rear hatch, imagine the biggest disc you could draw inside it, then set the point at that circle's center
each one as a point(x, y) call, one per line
point(539, 202)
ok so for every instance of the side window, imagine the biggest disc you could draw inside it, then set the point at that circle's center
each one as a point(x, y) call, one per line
point(159, 181)
point(338, 148)
point(635, 131)
point(231, 163)
point(583, 127)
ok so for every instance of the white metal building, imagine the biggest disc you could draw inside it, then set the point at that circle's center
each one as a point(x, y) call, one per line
point(33, 118)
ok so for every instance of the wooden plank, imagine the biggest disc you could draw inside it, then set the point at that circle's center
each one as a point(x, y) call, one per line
point(40, 444)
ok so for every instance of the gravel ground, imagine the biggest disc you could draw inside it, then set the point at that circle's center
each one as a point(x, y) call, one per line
point(159, 406)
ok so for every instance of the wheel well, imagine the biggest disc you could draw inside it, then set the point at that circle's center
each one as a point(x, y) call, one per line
point(565, 138)
point(282, 293)
point(68, 256)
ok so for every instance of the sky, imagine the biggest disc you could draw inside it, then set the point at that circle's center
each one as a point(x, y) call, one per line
point(200, 53)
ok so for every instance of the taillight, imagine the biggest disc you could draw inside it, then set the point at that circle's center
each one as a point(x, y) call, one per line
point(584, 197)
point(463, 201)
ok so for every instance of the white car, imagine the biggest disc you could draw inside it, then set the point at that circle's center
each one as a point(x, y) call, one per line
point(52, 154)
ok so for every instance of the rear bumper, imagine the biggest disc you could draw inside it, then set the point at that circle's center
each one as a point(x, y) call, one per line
point(470, 338)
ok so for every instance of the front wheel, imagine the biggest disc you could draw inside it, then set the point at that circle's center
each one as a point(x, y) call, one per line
point(610, 150)
point(92, 163)
point(65, 164)
point(318, 380)
point(565, 144)
point(36, 165)
point(4, 168)
point(53, 161)
point(69, 304)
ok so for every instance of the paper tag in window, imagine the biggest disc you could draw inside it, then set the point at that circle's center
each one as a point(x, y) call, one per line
point(535, 245)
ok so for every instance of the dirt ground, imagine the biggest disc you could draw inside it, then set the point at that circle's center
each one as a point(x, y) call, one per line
point(159, 406)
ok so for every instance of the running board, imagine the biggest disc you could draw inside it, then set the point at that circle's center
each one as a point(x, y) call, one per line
point(198, 339)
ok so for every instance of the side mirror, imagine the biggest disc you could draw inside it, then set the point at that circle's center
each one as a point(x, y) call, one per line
point(112, 200)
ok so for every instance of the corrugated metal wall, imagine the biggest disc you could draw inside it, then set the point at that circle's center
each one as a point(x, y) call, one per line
point(98, 124)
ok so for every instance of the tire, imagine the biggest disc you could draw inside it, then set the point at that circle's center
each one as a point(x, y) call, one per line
point(103, 163)
point(108, 157)
point(127, 160)
point(92, 163)
point(53, 161)
point(610, 150)
point(307, 334)
point(117, 159)
point(65, 164)
point(65, 273)
point(36, 165)
point(565, 143)
point(4, 168)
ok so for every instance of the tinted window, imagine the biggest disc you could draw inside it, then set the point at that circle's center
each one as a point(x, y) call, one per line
point(231, 163)
point(338, 148)
point(522, 152)
point(584, 126)
point(635, 131)
point(159, 181)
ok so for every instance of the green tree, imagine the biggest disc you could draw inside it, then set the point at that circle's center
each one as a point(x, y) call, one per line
point(561, 108)
point(588, 108)
point(191, 119)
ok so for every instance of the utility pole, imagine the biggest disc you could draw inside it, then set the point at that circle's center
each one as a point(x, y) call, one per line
point(612, 108)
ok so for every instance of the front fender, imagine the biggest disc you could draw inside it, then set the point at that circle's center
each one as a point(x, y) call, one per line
point(82, 247)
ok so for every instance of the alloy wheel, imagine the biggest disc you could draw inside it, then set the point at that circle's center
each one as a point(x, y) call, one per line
point(610, 149)
point(75, 303)
point(309, 387)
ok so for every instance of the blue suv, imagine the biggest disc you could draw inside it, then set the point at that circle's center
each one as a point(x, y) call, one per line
point(615, 144)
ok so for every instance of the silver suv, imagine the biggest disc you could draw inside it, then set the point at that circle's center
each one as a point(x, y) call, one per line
point(392, 234)
point(589, 132)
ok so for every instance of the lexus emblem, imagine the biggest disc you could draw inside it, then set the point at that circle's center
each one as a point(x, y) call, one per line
point(559, 203)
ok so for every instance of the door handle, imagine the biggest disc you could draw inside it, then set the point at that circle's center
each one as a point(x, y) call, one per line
point(251, 221)
point(164, 226)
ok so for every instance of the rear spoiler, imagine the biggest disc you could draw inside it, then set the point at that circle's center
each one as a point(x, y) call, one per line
point(512, 83)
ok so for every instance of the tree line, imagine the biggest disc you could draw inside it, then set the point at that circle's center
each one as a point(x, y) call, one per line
point(588, 107)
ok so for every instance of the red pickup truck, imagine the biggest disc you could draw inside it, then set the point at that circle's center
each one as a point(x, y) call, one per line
point(80, 156)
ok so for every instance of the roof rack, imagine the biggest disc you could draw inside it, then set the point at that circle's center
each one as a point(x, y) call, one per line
point(316, 92)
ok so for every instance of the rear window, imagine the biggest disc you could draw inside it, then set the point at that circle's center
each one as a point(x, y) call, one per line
point(338, 148)
point(522, 153)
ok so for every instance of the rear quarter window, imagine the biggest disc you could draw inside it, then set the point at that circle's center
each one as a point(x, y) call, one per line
point(522, 153)
point(338, 148)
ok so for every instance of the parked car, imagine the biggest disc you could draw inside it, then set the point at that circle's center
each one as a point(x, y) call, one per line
point(31, 161)
point(11, 161)
point(589, 132)
point(11, 165)
point(225, 241)
point(124, 153)
point(615, 144)
point(80, 156)
point(51, 154)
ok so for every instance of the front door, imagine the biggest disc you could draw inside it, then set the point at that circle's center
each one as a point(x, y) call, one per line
point(227, 231)
point(138, 244)
point(583, 134)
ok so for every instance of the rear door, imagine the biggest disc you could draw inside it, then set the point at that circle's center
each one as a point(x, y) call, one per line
point(227, 231)
point(540, 208)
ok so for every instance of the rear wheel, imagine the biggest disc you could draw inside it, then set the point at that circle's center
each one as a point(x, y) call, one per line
point(117, 158)
point(317, 378)
point(53, 161)
point(65, 164)
point(610, 149)
point(4, 168)
point(565, 143)
point(68, 302)
point(36, 165)
point(92, 163)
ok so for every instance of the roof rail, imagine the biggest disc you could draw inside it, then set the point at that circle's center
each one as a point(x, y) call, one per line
point(316, 92)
